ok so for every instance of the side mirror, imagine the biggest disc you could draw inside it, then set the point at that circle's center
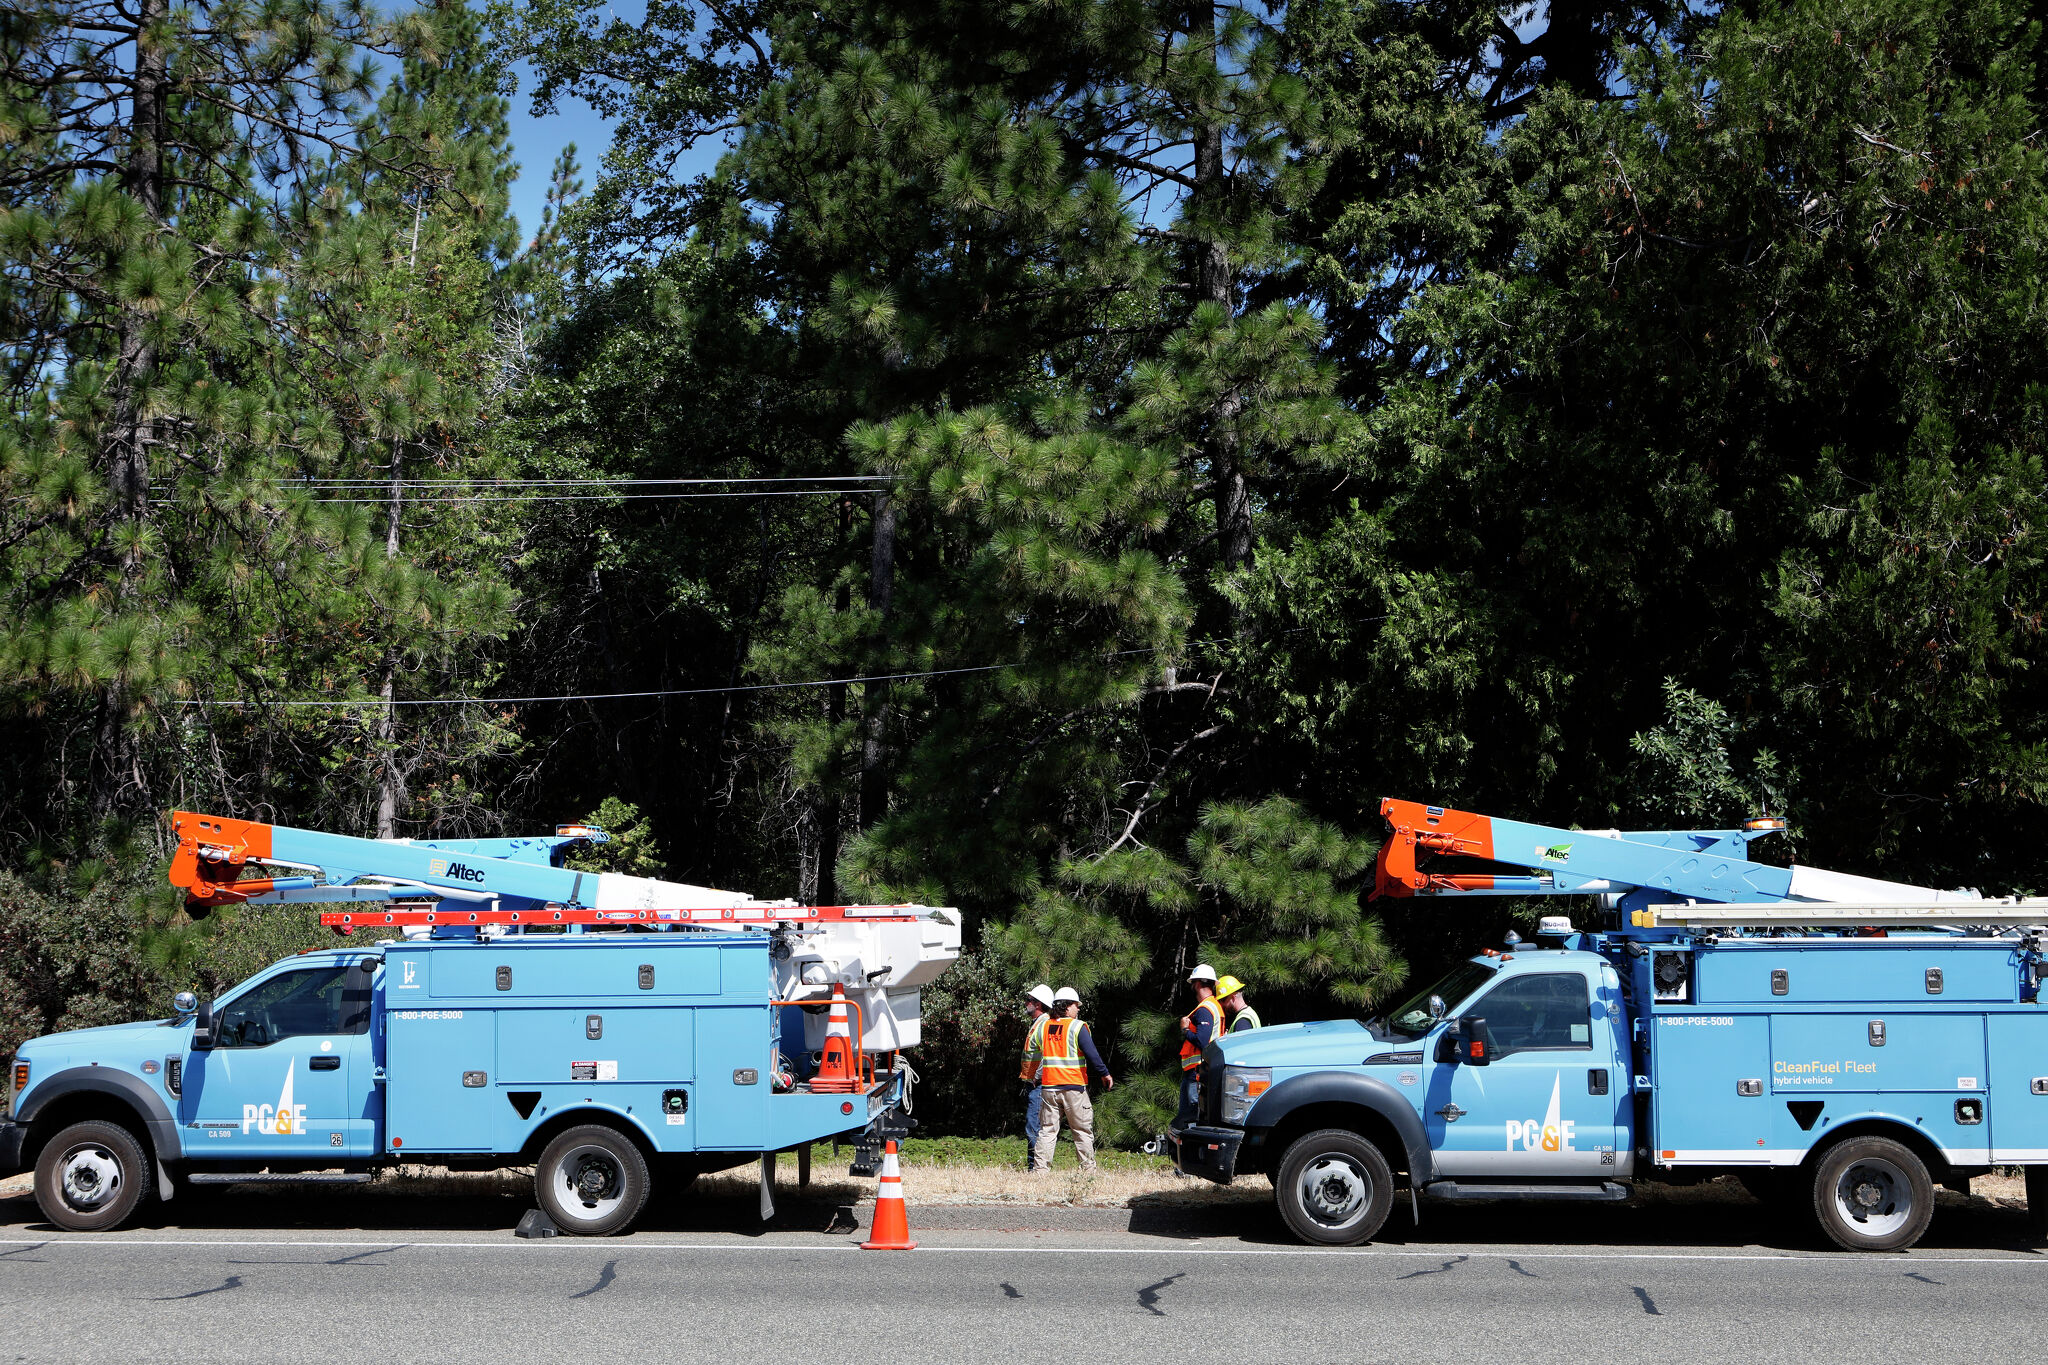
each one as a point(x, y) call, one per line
point(184, 1002)
point(1437, 1007)
point(202, 1028)
point(1475, 1041)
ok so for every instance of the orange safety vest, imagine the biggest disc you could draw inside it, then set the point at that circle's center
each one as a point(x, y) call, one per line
point(1034, 1050)
point(1190, 1055)
point(1064, 1064)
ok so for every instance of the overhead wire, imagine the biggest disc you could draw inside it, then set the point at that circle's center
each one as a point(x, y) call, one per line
point(681, 691)
point(472, 490)
point(617, 696)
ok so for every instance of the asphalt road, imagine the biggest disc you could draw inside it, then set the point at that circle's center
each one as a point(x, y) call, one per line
point(355, 1286)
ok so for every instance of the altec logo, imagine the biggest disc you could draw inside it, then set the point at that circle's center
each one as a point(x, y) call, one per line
point(1553, 1134)
point(461, 872)
point(284, 1119)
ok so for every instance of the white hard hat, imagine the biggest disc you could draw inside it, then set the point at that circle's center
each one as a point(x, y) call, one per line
point(1042, 994)
point(1202, 972)
point(1066, 995)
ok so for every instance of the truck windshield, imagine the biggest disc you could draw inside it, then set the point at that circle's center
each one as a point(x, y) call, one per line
point(1413, 1019)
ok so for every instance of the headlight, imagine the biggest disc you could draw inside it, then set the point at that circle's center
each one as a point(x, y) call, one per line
point(1242, 1086)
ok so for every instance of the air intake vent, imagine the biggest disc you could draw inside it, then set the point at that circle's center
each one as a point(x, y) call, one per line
point(1671, 977)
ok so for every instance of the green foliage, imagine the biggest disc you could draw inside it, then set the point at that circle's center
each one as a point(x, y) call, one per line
point(1687, 776)
point(1194, 425)
point(632, 849)
point(105, 940)
point(973, 1042)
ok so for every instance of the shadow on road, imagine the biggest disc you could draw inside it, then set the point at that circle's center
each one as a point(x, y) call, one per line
point(1658, 1217)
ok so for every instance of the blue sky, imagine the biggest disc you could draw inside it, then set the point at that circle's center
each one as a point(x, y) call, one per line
point(537, 141)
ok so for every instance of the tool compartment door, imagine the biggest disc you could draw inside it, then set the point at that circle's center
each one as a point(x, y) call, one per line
point(1698, 1063)
point(439, 1087)
point(729, 1108)
point(2018, 1111)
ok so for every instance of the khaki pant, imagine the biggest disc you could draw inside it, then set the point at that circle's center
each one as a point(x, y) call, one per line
point(1072, 1108)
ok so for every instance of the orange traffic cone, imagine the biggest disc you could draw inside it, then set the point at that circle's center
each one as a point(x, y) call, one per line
point(891, 1231)
point(837, 1071)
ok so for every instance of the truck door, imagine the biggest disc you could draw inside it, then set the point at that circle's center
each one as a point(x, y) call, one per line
point(289, 1074)
point(1545, 1105)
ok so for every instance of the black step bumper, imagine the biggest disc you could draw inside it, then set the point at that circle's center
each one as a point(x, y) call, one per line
point(1210, 1153)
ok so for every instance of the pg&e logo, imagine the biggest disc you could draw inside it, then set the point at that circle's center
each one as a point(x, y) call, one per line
point(283, 1119)
point(1553, 1134)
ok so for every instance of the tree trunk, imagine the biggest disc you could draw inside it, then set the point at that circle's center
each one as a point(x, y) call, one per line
point(831, 802)
point(390, 780)
point(390, 775)
point(1214, 283)
point(117, 777)
point(874, 777)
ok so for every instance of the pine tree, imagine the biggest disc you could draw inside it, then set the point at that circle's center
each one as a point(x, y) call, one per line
point(143, 257)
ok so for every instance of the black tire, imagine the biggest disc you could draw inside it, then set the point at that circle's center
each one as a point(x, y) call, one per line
point(1872, 1194)
point(92, 1176)
point(1334, 1188)
point(592, 1180)
point(2037, 1202)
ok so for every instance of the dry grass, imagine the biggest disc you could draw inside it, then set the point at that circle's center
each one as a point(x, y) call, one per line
point(942, 1182)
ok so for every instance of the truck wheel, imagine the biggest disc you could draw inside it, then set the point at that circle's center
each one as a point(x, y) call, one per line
point(92, 1177)
point(592, 1180)
point(1334, 1188)
point(1872, 1194)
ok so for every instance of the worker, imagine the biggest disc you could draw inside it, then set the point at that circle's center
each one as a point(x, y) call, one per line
point(1243, 1017)
point(1063, 1080)
point(1197, 1027)
point(1038, 1007)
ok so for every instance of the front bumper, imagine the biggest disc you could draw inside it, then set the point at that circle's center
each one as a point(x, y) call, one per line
point(12, 1136)
point(1210, 1153)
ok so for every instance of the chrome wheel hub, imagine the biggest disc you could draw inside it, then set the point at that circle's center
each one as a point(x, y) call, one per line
point(1875, 1195)
point(91, 1176)
point(592, 1180)
point(1334, 1191)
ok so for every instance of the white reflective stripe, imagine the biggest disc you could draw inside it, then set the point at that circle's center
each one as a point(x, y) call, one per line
point(1732, 1156)
point(2019, 1153)
point(1792, 1156)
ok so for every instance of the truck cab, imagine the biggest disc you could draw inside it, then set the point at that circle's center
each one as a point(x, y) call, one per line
point(1511, 1067)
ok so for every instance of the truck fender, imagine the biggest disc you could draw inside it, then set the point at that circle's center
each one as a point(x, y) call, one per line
point(105, 1080)
point(612, 1114)
point(1346, 1087)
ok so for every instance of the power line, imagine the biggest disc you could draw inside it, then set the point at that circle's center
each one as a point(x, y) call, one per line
point(619, 696)
point(697, 691)
point(434, 500)
point(468, 482)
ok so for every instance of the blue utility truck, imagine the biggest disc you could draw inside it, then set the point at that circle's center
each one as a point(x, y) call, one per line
point(1840, 1044)
point(613, 1031)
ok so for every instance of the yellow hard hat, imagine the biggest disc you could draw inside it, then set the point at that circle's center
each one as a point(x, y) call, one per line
point(1228, 987)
